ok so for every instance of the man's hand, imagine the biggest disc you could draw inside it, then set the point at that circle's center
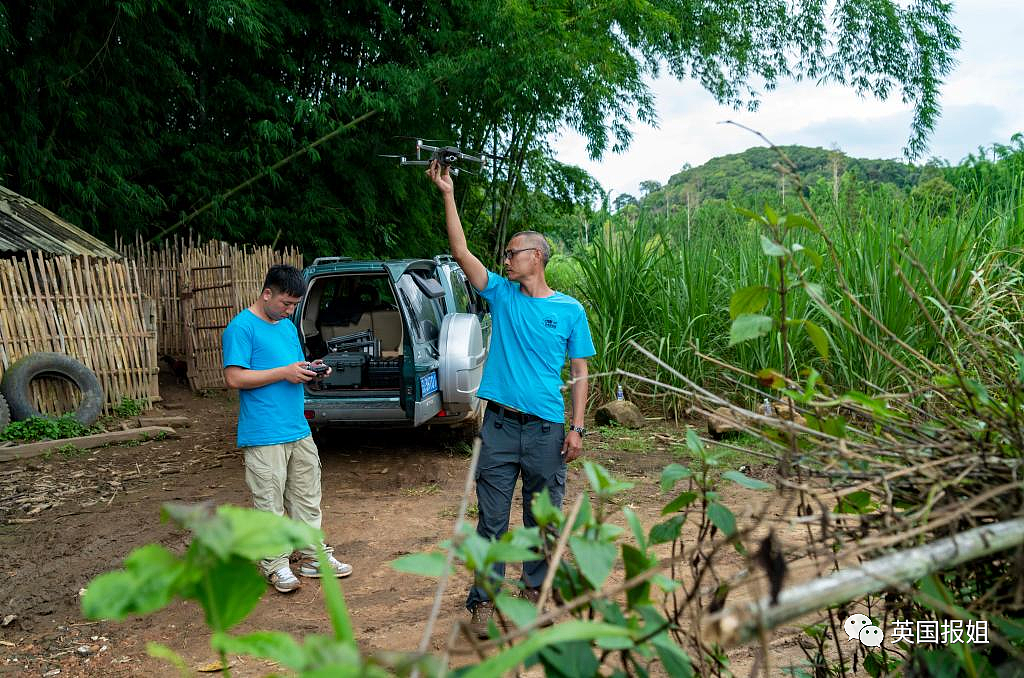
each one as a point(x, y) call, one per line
point(572, 448)
point(296, 373)
point(324, 369)
point(440, 177)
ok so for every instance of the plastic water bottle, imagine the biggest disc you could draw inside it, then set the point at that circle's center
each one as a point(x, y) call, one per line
point(618, 393)
point(766, 408)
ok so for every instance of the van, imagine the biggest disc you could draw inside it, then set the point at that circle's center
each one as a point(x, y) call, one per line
point(406, 340)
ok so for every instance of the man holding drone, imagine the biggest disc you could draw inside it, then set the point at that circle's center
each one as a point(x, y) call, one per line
point(534, 329)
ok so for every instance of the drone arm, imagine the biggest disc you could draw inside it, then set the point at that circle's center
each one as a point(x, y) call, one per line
point(475, 271)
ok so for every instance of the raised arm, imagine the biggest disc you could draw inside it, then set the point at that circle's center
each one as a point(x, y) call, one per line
point(474, 269)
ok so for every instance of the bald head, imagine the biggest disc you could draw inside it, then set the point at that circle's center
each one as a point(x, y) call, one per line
point(534, 239)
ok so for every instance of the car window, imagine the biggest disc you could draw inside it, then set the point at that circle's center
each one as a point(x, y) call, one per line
point(458, 281)
point(424, 312)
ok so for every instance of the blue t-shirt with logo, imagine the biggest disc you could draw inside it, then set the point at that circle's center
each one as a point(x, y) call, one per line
point(530, 340)
point(270, 414)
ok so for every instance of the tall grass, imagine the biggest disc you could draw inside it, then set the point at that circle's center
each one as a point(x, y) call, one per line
point(648, 281)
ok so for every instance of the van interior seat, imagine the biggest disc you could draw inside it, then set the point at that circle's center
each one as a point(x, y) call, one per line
point(365, 322)
point(386, 326)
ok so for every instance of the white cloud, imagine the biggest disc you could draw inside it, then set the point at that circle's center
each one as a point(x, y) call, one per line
point(982, 100)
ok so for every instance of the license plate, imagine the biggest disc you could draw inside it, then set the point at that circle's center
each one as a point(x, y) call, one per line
point(428, 384)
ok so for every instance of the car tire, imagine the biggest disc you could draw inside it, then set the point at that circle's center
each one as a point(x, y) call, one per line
point(16, 381)
point(5, 413)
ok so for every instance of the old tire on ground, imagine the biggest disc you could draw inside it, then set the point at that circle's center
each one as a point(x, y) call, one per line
point(5, 413)
point(15, 385)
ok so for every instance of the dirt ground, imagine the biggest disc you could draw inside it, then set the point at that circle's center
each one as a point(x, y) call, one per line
point(65, 519)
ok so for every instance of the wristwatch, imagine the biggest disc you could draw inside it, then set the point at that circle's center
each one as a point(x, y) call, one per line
point(578, 429)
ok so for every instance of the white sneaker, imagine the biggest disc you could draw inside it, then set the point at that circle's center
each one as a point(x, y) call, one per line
point(309, 567)
point(284, 580)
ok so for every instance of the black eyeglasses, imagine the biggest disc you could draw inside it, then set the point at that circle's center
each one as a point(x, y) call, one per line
point(508, 254)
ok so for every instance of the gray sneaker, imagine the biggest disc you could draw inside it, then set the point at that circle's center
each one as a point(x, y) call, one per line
point(284, 580)
point(309, 567)
point(482, 614)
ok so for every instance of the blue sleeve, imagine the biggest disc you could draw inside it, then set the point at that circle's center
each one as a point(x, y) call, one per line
point(581, 344)
point(495, 288)
point(238, 345)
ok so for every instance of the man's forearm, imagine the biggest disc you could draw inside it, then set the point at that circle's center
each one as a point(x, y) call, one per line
point(456, 234)
point(242, 378)
point(579, 397)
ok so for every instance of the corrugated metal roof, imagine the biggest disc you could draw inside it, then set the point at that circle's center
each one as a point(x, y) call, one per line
point(27, 225)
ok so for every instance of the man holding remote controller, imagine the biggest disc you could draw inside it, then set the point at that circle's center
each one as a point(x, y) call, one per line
point(263, 359)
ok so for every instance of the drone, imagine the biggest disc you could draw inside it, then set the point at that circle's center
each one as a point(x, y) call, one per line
point(446, 157)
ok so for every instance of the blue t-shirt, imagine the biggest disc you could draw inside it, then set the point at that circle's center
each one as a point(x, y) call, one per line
point(270, 414)
point(530, 339)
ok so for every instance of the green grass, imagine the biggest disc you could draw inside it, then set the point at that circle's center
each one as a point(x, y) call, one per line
point(649, 282)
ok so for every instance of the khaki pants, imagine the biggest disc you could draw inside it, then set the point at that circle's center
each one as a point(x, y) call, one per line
point(285, 479)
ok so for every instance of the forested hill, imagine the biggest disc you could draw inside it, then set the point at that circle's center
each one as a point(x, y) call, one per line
point(754, 171)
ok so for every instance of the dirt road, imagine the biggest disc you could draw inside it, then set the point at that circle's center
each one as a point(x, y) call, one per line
point(66, 519)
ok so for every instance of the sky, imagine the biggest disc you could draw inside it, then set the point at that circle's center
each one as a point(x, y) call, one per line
point(982, 103)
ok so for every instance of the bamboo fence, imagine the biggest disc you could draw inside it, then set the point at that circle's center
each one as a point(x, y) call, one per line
point(198, 288)
point(89, 308)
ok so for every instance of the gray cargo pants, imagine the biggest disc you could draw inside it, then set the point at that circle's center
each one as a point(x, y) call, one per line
point(510, 447)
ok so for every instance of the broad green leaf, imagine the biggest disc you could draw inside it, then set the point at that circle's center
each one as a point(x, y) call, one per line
point(544, 512)
point(637, 562)
point(673, 658)
point(818, 337)
point(679, 503)
point(586, 515)
point(746, 481)
point(800, 221)
point(638, 529)
point(693, 442)
point(425, 564)
point(856, 502)
point(722, 518)
point(749, 214)
point(813, 256)
point(771, 215)
point(276, 645)
point(503, 552)
point(749, 326)
point(161, 651)
point(508, 659)
point(575, 658)
point(609, 532)
point(772, 248)
point(473, 548)
point(672, 474)
point(244, 532)
point(666, 584)
point(229, 591)
point(259, 534)
point(668, 531)
point(152, 576)
point(602, 482)
point(595, 559)
point(519, 610)
point(1012, 629)
point(748, 300)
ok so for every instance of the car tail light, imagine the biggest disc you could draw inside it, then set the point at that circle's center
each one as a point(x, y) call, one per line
point(310, 414)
